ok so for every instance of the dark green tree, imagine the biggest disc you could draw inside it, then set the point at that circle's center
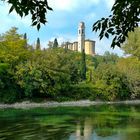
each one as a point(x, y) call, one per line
point(38, 44)
point(83, 65)
point(37, 9)
point(55, 43)
point(125, 18)
point(25, 38)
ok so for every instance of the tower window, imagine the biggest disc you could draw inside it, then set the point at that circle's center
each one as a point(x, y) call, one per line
point(79, 31)
point(82, 31)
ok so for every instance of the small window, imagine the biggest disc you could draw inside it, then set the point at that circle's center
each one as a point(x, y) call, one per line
point(82, 31)
point(79, 31)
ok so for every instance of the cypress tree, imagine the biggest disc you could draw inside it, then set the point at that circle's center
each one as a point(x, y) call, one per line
point(25, 38)
point(38, 44)
point(83, 65)
point(55, 44)
point(66, 47)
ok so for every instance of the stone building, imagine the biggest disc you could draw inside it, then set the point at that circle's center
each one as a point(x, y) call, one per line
point(82, 43)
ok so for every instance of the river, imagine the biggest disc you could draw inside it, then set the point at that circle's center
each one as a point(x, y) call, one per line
point(98, 122)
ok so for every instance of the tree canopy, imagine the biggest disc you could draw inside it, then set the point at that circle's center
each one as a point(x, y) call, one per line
point(37, 9)
point(125, 18)
point(132, 45)
point(38, 44)
point(55, 43)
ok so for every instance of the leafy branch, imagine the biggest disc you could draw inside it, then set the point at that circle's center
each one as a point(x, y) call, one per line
point(125, 18)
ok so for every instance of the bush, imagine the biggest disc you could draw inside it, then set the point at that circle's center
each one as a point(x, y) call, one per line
point(110, 83)
point(9, 96)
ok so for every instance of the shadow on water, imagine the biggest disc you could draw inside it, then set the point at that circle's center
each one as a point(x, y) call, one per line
point(104, 122)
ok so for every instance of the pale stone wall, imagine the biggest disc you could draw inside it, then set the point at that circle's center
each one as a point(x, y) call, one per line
point(70, 46)
point(90, 47)
point(75, 46)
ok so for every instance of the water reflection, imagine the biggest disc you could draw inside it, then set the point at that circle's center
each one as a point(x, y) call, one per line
point(85, 123)
point(88, 132)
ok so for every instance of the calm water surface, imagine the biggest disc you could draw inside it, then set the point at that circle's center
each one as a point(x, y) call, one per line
point(104, 122)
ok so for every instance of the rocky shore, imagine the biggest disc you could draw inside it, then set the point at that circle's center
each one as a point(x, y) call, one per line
point(28, 104)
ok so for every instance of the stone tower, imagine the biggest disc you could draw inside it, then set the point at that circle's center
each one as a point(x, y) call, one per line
point(81, 37)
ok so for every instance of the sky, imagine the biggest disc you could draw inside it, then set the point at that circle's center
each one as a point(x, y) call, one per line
point(62, 22)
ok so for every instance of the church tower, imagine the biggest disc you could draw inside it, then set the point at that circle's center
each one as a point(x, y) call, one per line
point(81, 37)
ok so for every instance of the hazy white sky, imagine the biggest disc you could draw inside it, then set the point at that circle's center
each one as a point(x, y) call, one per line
point(62, 22)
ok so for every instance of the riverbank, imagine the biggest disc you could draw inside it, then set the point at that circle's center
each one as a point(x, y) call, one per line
point(28, 104)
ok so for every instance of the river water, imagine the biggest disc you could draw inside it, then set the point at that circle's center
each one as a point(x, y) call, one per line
point(101, 122)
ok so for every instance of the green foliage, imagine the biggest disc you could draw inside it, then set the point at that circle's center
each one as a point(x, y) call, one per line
point(55, 43)
point(83, 65)
point(107, 58)
point(48, 74)
point(36, 8)
point(79, 91)
point(59, 74)
point(9, 95)
point(25, 39)
point(3, 71)
point(38, 44)
point(132, 45)
point(122, 17)
point(110, 83)
point(131, 68)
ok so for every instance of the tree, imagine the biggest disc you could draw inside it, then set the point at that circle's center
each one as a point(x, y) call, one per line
point(11, 37)
point(37, 9)
point(55, 43)
point(110, 58)
point(12, 47)
point(25, 38)
point(132, 44)
point(50, 44)
point(125, 18)
point(12, 52)
point(131, 68)
point(83, 65)
point(107, 58)
point(38, 44)
point(111, 84)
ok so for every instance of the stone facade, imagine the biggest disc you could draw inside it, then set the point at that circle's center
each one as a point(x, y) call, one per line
point(82, 43)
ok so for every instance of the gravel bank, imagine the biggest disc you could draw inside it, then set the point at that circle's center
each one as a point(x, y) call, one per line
point(27, 104)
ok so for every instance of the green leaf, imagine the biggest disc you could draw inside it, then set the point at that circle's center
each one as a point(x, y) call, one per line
point(106, 35)
point(34, 23)
point(11, 9)
point(49, 8)
point(38, 26)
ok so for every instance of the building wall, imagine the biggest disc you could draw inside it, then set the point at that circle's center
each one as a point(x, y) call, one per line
point(75, 46)
point(70, 46)
point(90, 47)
